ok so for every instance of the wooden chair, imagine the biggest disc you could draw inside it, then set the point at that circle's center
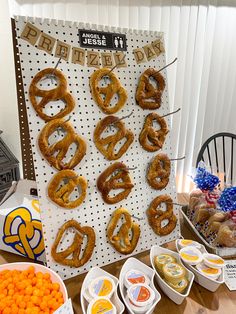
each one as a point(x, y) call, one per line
point(218, 153)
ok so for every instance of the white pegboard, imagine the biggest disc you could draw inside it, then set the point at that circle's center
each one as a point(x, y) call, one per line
point(94, 212)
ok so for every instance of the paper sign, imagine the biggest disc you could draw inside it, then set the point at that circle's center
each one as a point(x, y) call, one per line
point(66, 308)
point(230, 274)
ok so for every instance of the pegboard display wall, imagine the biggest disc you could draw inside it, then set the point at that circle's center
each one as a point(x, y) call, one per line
point(93, 211)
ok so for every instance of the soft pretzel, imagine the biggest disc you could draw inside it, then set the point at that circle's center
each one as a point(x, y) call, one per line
point(115, 177)
point(148, 96)
point(159, 172)
point(122, 242)
point(56, 153)
point(156, 216)
point(63, 257)
point(113, 88)
point(215, 222)
point(106, 145)
point(63, 185)
point(48, 96)
point(227, 235)
point(150, 139)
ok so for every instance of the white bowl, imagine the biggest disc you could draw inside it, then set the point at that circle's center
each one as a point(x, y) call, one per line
point(133, 263)
point(38, 268)
point(174, 295)
point(91, 275)
point(206, 282)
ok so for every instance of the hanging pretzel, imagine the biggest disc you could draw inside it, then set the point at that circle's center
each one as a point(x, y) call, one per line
point(63, 257)
point(56, 153)
point(150, 139)
point(122, 242)
point(50, 96)
point(109, 91)
point(148, 96)
point(115, 177)
point(63, 184)
point(159, 172)
point(106, 145)
point(156, 216)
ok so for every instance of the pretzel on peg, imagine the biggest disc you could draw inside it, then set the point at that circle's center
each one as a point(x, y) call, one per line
point(52, 95)
point(159, 172)
point(148, 96)
point(156, 216)
point(122, 241)
point(109, 91)
point(115, 177)
point(63, 257)
point(150, 139)
point(106, 145)
point(63, 184)
point(56, 153)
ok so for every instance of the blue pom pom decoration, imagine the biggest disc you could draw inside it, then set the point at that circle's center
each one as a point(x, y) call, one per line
point(204, 180)
point(227, 200)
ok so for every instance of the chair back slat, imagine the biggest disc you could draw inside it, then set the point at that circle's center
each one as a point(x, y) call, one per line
point(223, 152)
point(209, 156)
point(231, 162)
point(218, 154)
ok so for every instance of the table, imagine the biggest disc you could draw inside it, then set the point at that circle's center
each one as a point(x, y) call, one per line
point(199, 301)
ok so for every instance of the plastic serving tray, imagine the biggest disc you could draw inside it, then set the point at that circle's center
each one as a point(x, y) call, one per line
point(208, 283)
point(221, 251)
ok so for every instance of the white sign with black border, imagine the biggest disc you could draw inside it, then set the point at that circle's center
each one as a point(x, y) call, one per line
point(105, 40)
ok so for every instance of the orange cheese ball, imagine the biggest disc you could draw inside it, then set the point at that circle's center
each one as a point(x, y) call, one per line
point(28, 292)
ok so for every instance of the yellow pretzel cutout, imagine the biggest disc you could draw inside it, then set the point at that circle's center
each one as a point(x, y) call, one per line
point(27, 228)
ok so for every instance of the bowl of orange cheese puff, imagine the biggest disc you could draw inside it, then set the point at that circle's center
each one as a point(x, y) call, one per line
point(29, 288)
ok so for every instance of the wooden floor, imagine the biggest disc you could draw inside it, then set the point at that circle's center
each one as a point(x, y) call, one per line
point(200, 300)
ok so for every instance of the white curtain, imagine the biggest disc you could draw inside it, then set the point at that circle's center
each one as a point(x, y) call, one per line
point(202, 34)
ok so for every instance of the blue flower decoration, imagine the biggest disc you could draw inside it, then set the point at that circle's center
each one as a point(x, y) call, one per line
point(227, 200)
point(204, 180)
